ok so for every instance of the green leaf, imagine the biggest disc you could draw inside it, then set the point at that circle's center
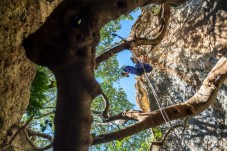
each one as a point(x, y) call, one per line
point(55, 84)
point(43, 128)
point(46, 121)
point(40, 91)
point(50, 124)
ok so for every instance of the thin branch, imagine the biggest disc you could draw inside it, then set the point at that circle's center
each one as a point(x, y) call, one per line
point(35, 147)
point(31, 132)
point(49, 107)
point(96, 112)
point(44, 115)
point(15, 135)
point(136, 41)
point(112, 51)
point(28, 139)
point(160, 143)
point(23, 127)
point(118, 36)
point(185, 124)
point(127, 115)
point(105, 113)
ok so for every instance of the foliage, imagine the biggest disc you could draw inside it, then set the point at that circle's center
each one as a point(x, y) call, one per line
point(42, 100)
point(108, 74)
point(155, 9)
point(42, 87)
point(157, 134)
point(106, 39)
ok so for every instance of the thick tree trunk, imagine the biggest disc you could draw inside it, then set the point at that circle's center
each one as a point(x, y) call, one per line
point(73, 120)
point(16, 71)
point(66, 44)
point(18, 19)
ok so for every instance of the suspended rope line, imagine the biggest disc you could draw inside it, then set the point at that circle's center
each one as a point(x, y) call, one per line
point(163, 112)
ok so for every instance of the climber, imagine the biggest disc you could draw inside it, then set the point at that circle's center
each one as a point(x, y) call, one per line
point(137, 70)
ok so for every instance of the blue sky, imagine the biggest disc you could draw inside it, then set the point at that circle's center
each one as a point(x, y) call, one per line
point(128, 84)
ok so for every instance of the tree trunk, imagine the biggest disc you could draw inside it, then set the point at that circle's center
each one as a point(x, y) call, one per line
point(18, 19)
point(66, 44)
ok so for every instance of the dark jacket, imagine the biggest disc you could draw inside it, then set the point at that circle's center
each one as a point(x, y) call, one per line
point(138, 69)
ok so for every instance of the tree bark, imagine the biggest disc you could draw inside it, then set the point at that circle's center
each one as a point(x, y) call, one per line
point(18, 19)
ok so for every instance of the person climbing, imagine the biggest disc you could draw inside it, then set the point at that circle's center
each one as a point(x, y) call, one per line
point(137, 70)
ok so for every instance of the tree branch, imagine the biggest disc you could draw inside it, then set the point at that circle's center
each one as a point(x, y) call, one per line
point(127, 115)
point(96, 112)
point(160, 143)
point(195, 105)
point(31, 132)
point(35, 147)
point(15, 135)
point(44, 115)
point(136, 41)
point(29, 140)
point(112, 51)
point(185, 124)
point(105, 113)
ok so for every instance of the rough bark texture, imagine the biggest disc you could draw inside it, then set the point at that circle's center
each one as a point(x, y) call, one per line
point(18, 19)
point(196, 39)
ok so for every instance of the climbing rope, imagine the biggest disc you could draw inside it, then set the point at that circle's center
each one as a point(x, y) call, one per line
point(163, 112)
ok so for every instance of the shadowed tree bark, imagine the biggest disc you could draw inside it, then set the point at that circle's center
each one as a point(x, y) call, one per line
point(66, 44)
point(18, 19)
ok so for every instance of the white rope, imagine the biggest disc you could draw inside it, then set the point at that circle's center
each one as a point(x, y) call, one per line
point(163, 112)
